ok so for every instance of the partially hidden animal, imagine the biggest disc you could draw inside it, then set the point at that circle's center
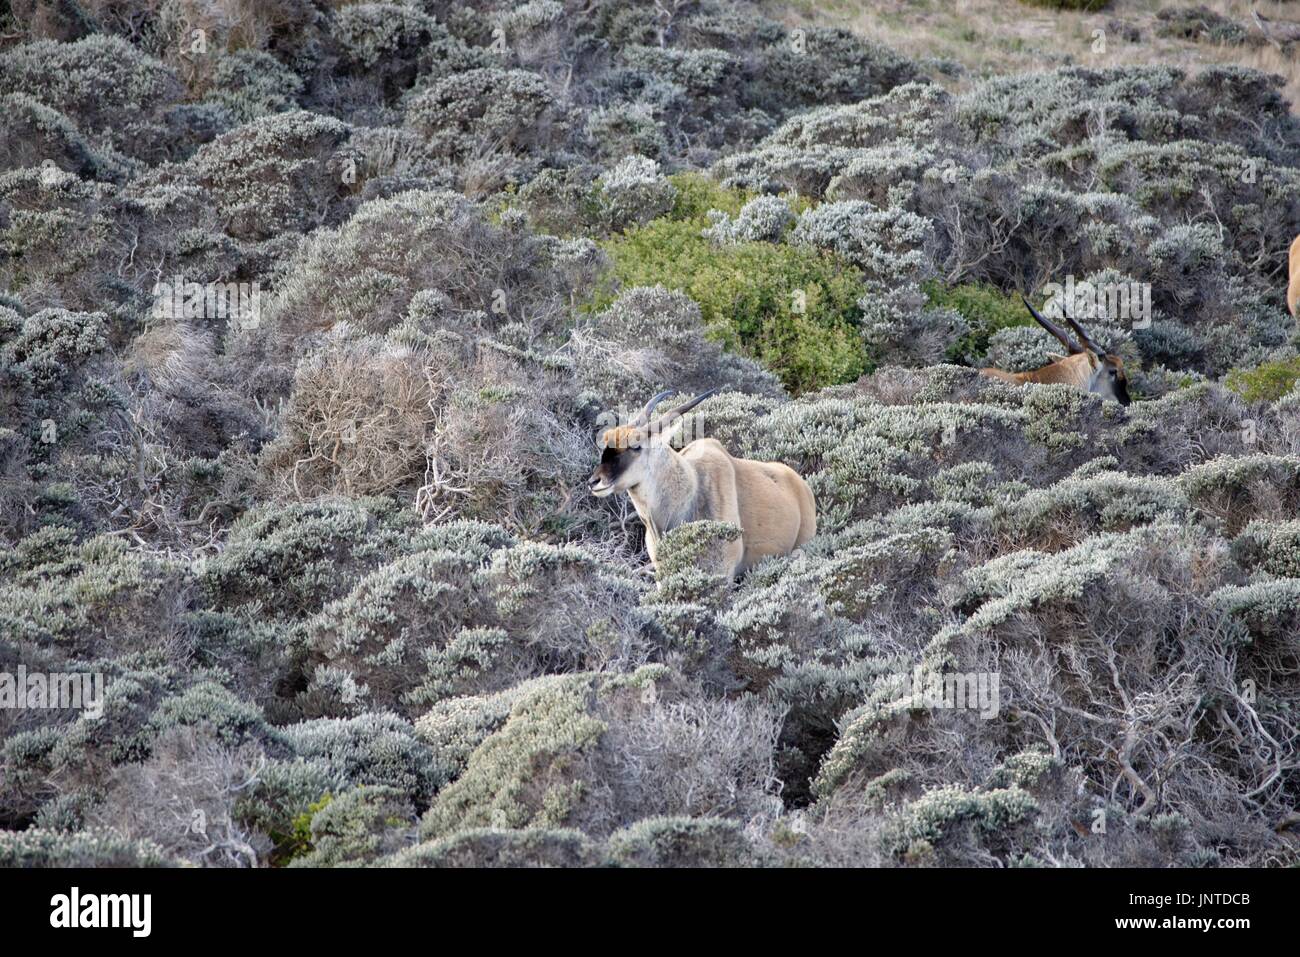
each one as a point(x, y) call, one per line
point(1293, 289)
point(768, 501)
point(1086, 365)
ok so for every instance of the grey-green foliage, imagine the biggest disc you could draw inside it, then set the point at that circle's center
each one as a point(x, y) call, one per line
point(633, 192)
point(475, 666)
point(454, 727)
point(377, 748)
point(1271, 546)
point(525, 774)
point(682, 842)
point(763, 218)
point(278, 172)
point(445, 622)
point(466, 111)
point(102, 848)
point(499, 847)
point(105, 84)
point(251, 84)
point(650, 338)
point(37, 135)
point(933, 817)
point(358, 827)
point(1110, 205)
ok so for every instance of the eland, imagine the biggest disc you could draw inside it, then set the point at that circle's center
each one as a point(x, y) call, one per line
point(1087, 366)
point(768, 501)
point(1293, 287)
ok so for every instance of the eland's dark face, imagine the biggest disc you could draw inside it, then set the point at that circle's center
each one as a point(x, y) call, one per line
point(1109, 380)
point(621, 462)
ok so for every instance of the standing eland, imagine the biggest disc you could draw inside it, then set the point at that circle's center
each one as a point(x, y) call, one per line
point(768, 501)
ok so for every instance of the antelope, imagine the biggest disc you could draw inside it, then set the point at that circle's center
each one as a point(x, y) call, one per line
point(1293, 289)
point(768, 501)
point(1088, 367)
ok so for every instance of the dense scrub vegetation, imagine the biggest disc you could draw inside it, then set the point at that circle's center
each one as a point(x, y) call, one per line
point(335, 556)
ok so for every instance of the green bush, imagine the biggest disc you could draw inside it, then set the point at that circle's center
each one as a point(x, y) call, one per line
point(1267, 382)
point(985, 308)
point(697, 194)
point(749, 293)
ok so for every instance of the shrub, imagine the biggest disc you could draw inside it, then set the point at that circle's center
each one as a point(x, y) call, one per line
point(652, 337)
point(792, 308)
point(181, 799)
point(441, 622)
point(287, 561)
point(483, 110)
point(36, 135)
point(1269, 609)
point(498, 847)
point(523, 776)
point(633, 192)
point(1021, 348)
point(933, 817)
point(1236, 489)
point(369, 271)
point(762, 219)
point(681, 842)
point(359, 420)
point(103, 83)
point(101, 848)
point(1267, 382)
point(251, 84)
point(358, 827)
point(1197, 23)
point(1272, 546)
point(987, 311)
point(377, 749)
point(283, 171)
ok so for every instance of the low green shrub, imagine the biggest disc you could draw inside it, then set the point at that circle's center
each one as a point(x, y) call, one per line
point(985, 308)
point(793, 308)
point(1266, 382)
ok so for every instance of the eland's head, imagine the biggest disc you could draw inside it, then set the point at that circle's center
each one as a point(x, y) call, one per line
point(1105, 370)
point(628, 451)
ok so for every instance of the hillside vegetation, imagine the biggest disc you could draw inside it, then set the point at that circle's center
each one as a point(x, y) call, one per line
point(334, 553)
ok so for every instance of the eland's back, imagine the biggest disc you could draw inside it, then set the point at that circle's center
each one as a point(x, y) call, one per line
point(771, 503)
point(1293, 289)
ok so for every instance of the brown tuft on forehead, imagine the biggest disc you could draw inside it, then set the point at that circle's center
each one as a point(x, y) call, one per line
point(621, 437)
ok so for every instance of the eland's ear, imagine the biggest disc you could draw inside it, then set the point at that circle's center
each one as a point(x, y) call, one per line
point(1055, 356)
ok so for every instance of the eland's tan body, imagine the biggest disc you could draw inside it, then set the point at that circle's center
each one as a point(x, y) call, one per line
point(1087, 366)
point(1075, 370)
point(1293, 288)
point(768, 501)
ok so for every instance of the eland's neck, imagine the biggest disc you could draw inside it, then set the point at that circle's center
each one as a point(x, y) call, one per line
point(666, 499)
